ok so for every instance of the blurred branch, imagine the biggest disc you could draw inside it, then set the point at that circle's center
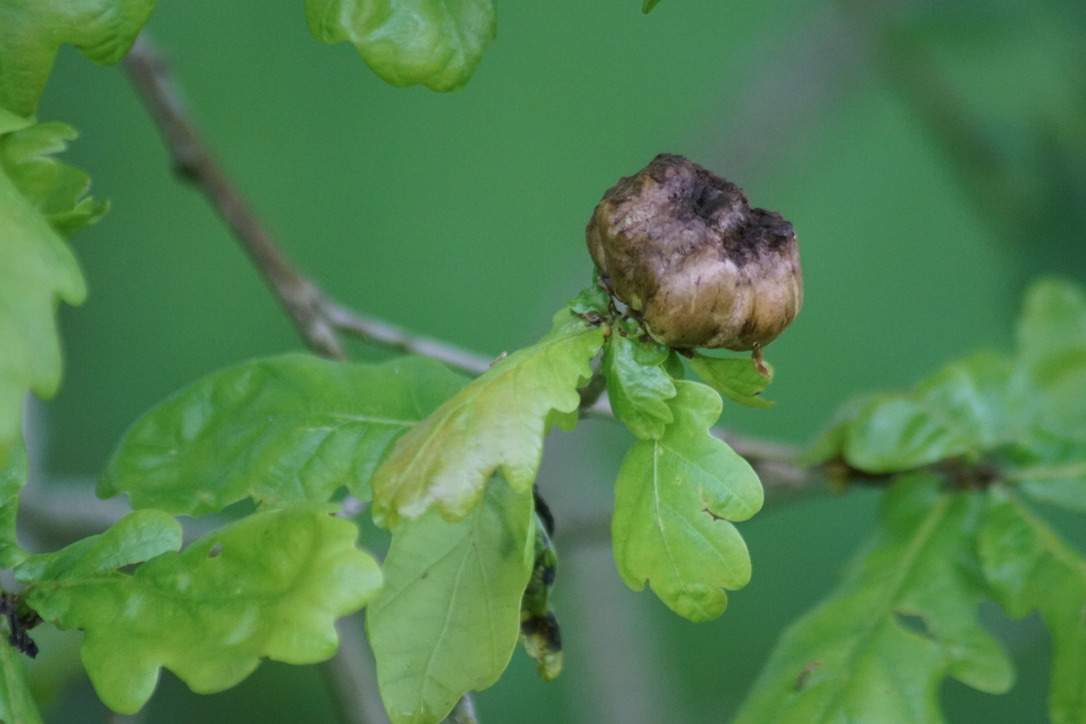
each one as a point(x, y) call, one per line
point(1018, 163)
point(352, 676)
point(319, 319)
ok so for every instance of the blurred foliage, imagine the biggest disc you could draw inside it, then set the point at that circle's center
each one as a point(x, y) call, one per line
point(932, 157)
point(962, 446)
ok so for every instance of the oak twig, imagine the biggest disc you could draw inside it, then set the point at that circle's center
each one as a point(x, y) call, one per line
point(318, 319)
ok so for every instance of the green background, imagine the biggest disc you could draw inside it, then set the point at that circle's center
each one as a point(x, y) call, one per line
point(932, 158)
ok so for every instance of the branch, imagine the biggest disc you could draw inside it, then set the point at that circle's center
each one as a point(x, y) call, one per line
point(318, 319)
point(351, 676)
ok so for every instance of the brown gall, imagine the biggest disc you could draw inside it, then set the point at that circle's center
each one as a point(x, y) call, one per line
point(684, 250)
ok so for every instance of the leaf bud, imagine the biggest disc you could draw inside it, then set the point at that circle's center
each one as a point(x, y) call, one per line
point(683, 249)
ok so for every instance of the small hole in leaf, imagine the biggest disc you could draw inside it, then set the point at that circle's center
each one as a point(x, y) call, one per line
point(215, 550)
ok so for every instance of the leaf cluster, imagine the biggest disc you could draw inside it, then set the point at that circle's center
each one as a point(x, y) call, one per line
point(680, 490)
point(448, 465)
point(965, 450)
point(287, 434)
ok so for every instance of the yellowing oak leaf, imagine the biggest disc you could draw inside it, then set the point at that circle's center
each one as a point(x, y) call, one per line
point(493, 425)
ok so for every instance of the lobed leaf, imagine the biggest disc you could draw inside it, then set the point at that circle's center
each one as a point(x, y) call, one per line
point(135, 538)
point(963, 410)
point(1053, 320)
point(493, 425)
point(734, 377)
point(448, 618)
point(16, 702)
point(1024, 411)
point(1028, 567)
point(57, 190)
point(904, 617)
point(292, 428)
point(37, 269)
point(637, 385)
point(968, 409)
point(32, 32)
point(437, 43)
point(1052, 369)
point(675, 503)
point(271, 584)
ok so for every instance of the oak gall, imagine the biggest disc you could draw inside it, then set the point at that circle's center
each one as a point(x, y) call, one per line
point(684, 250)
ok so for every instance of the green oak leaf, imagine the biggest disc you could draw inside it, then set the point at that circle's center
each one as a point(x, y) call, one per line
point(592, 300)
point(1029, 567)
point(966, 409)
point(12, 480)
point(830, 443)
point(16, 702)
point(1053, 320)
point(1057, 484)
point(637, 385)
point(904, 617)
point(56, 189)
point(137, 537)
point(734, 377)
point(448, 618)
point(437, 43)
point(1051, 369)
point(959, 411)
point(32, 32)
point(1054, 386)
point(269, 585)
point(291, 428)
point(675, 503)
point(495, 424)
point(1022, 411)
point(38, 202)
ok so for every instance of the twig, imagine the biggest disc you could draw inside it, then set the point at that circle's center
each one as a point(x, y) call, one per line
point(352, 676)
point(319, 320)
point(398, 338)
point(193, 162)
